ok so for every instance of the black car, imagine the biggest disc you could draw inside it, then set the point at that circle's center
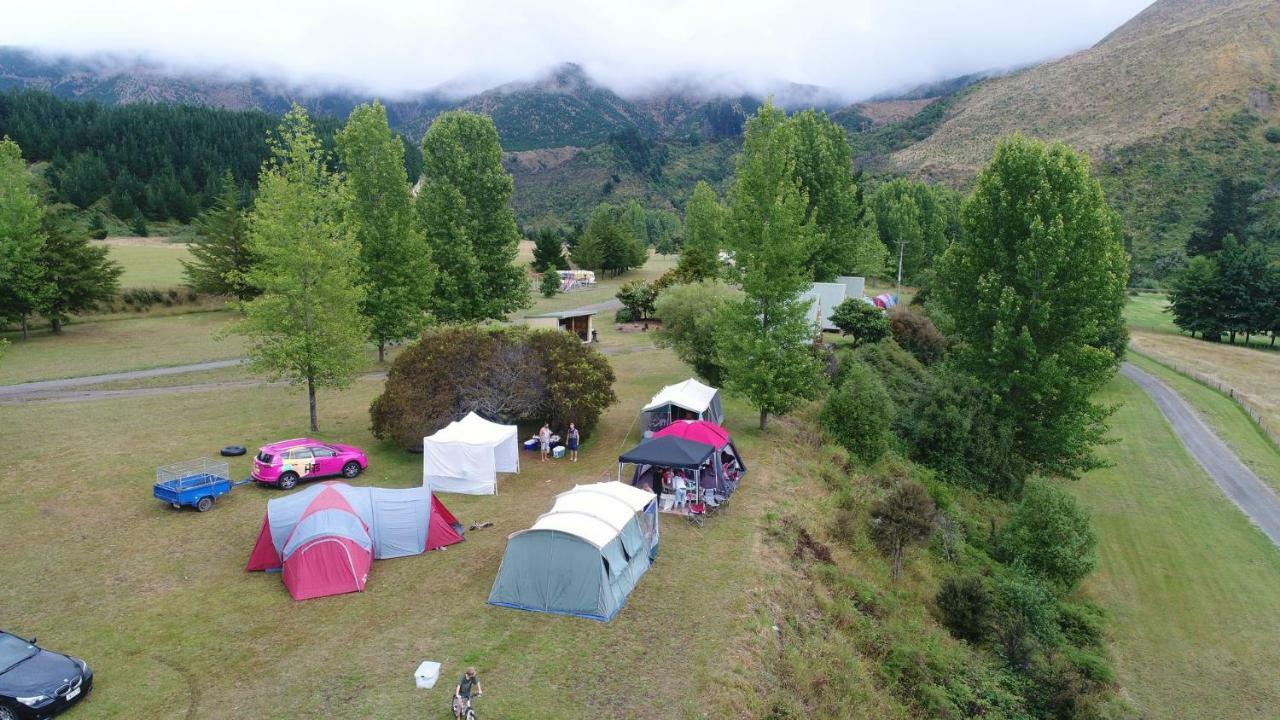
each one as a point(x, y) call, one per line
point(36, 683)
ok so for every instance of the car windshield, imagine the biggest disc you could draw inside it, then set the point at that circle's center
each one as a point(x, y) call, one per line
point(14, 650)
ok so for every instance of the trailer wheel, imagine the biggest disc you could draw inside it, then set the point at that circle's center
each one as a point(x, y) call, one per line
point(204, 504)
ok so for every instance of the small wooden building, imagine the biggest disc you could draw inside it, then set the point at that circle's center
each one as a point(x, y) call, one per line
point(578, 322)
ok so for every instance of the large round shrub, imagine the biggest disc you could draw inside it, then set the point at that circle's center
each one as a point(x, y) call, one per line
point(966, 607)
point(856, 415)
point(915, 332)
point(860, 321)
point(509, 374)
point(1049, 535)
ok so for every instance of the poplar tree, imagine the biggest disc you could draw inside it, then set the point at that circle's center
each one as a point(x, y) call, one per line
point(464, 211)
point(396, 271)
point(21, 239)
point(762, 341)
point(703, 236)
point(1036, 289)
point(306, 326)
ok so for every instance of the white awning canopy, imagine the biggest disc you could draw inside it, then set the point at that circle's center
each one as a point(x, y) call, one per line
point(690, 395)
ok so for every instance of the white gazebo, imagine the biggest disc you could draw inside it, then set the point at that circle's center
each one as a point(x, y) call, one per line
point(466, 456)
point(688, 400)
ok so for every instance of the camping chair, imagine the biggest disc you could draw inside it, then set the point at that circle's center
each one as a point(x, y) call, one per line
point(696, 513)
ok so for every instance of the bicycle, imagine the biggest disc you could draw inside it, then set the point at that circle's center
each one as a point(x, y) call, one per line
point(462, 709)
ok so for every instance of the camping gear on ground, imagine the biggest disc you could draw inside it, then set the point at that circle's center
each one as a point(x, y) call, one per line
point(326, 536)
point(194, 483)
point(466, 456)
point(557, 452)
point(531, 444)
point(426, 675)
point(704, 431)
point(584, 556)
point(698, 462)
point(688, 400)
point(885, 301)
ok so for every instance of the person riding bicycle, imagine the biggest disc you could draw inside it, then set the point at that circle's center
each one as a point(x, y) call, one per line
point(468, 685)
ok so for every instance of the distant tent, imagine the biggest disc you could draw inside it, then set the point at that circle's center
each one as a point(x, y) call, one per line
point(583, 557)
point(854, 286)
point(885, 301)
point(466, 456)
point(325, 537)
point(688, 400)
point(823, 299)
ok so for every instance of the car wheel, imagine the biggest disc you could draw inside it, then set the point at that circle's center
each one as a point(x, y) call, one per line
point(205, 504)
point(287, 481)
point(351, 469)
point(7, 714)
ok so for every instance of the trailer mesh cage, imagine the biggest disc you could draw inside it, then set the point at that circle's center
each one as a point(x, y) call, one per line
point(190, 473)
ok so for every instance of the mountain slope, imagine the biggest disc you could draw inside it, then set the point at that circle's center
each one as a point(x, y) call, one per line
point(1166, 104)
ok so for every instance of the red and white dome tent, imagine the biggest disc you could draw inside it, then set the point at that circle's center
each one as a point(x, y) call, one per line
point(324, 538)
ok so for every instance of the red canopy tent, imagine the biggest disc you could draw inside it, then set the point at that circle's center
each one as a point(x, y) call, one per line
point(703, 431)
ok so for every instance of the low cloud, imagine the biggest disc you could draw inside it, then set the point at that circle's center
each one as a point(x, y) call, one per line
point(854, 49)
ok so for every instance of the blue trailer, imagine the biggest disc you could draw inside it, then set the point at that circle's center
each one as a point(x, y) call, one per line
point(194, 483)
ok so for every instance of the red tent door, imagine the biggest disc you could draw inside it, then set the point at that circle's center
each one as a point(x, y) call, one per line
point(327, 565)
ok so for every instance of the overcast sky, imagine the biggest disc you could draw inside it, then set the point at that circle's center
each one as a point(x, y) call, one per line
point(854, 47)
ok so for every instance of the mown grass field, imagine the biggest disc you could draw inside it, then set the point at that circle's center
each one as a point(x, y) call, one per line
point(1191, 587)
point(153, 264)
point(158, 602)
point(92, 348)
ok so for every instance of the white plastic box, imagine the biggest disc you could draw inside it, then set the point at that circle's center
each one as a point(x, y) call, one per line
point(427, 674)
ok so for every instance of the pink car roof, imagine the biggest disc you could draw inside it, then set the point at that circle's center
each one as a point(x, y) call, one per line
point(283, 445)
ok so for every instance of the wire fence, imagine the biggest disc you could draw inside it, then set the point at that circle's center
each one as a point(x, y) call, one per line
point(1250, 408)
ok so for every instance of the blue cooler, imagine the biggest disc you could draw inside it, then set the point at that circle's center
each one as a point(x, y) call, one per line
point(531, 444)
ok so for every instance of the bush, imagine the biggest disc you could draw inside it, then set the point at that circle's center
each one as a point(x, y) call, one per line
point(966, 607)
point(863, 322)
point(624, 315)
point(688, 313)
point(507, 374)
point(856, 414)
point(916, 334)
point(1272, 134)
point(1049, 535)
point(902, 374)
point(1026, 615)
point(1081, 623)
point(550, 284)
point(907, 516)
point(638, 297)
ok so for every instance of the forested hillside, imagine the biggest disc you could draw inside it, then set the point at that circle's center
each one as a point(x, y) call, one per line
point(160, 161)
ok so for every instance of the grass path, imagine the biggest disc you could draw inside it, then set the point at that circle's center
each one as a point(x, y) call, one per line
point(1193, 589)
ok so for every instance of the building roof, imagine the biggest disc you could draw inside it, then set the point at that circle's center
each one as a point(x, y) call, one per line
point(563, 314)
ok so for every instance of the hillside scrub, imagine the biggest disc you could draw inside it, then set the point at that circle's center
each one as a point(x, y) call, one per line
point(916, 333)
point(505, 374)
point(854, 414)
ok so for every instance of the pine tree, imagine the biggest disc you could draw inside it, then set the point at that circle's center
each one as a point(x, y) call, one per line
point(396, 268)
point(1230, 213)
point(22, 240)
point(548, 251)
point(704, 235)
point(77, 274)
point(306, 326)
point(221, 257)
point(464, 210)
point(1243, 269)
point(550, 284)
point(762, 341)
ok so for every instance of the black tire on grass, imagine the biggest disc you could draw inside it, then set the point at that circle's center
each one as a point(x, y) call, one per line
point(233, 451)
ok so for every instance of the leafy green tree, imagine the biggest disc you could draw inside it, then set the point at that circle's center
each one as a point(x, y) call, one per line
point(1243, 287)
point(464, 208)
point(77, 274)
point(608, 243)
point(704, 220)
point(1193, 297)
point(550, 284)
point(548, 251)
point(863, 322)
point(689, 314)
point(915, 222)
point(636, 220)
point(842, 241)
point(763, 340)
point(22, 276)
point(856, 413)
point(1035, 288)
point(221, 257)
point(638, 297)
point(903, 518)
point(665, 232)
point(377, 211)
point(306, 327)
point(1050, 537)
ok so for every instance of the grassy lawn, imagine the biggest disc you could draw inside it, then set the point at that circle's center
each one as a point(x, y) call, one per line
point(158, 602)
point(1192, 588)
point(150, 265)
point(1147, 311)
point(604, 289)
point(91, 348)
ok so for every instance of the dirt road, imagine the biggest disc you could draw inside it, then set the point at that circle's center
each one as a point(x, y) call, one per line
point(1258, 501)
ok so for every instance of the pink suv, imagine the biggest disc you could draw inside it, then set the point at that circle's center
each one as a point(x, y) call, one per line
point(286, 462)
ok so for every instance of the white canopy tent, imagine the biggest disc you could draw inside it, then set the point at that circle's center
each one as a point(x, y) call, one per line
point(466, 456)
point(685, 400)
